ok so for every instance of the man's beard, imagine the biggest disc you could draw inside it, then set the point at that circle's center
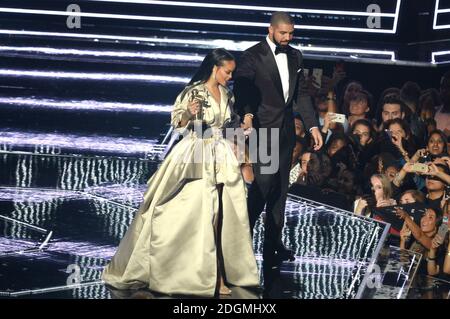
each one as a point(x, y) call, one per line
point(278, 44)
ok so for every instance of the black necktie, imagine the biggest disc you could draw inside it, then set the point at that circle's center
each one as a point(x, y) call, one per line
point(280, 49)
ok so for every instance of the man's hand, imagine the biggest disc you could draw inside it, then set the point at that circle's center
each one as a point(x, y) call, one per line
point(317, 137)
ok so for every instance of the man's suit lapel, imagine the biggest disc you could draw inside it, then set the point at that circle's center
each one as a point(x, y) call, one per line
point(292, 66)
point(269, 62)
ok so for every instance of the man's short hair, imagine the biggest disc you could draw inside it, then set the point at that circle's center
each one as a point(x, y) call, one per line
point(393, 99)
point(281, 17)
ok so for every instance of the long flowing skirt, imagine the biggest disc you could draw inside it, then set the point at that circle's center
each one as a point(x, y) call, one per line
point(170, 246)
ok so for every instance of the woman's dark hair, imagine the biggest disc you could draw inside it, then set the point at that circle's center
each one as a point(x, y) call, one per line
point(367, 124)
point(403, 124)
point(410, 93)
point(337, 137)
point(319, 169)
point(215, 57)
point(439, 216)
point(443, 137)
point(371, 167)
point(418, 196)
point(346, 155)
point(429, 95)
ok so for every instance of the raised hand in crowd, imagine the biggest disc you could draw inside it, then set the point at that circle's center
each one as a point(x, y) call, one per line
point(397, 140)
point(405, 235)
point(328, 120)
point(433, 267)
point(445, 160)
point(416, 231)
point(434, 171)
point(419, 153)
point(386, 202)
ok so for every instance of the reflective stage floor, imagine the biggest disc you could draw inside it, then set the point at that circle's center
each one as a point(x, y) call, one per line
point(62, 217)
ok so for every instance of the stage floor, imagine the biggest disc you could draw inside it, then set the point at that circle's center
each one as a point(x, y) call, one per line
point(62, 217)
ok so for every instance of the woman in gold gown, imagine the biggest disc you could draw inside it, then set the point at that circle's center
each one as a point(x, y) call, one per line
point(192, 229)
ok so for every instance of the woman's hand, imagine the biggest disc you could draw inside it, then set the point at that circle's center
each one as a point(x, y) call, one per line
point(338, 76)
point(405, 232)
point(401, 213)
point(386, 202)
point(432, 170)
point(193, 107)
point(420, 153)
point(362, 203)
point(437, 241)
point(445, 160)
point(397, 141)
point(328, 119)
point(408, 167)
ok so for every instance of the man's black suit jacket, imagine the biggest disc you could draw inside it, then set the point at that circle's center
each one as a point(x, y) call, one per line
point(258, 90)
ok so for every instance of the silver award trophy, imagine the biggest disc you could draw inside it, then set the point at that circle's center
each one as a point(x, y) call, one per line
point(202, 97)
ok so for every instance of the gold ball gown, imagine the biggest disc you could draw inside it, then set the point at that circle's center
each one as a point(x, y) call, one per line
point(170, 245)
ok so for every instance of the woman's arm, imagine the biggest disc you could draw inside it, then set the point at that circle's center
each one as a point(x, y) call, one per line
point(405, 233)
point(397, 139)
point(415, 229)
point(447, 259)
point(432, 264)
point(183, 109)
point(406, 169)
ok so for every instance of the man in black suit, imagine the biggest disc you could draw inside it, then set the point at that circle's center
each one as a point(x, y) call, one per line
point(269, 84)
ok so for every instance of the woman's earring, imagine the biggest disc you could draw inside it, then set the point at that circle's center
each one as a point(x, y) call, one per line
point(215, 73)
